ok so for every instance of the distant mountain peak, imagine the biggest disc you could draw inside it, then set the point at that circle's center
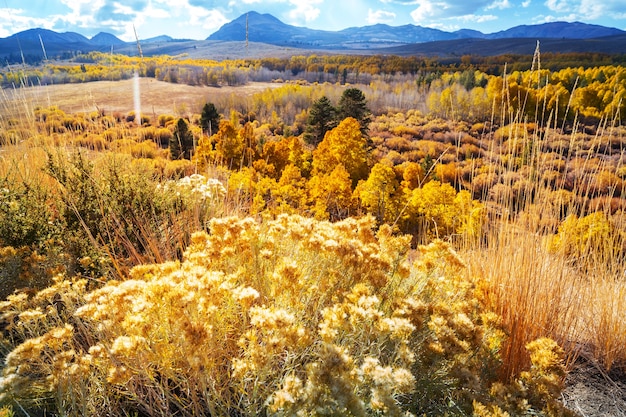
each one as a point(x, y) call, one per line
point(268, 29)
point(104, 38)
point(556, 30)
point(161, 38)
point(48, 35)
point(259, 27)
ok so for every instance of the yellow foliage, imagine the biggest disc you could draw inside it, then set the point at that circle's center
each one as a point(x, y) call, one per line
point(285, 316)
point(290, 195)
point(588, 240)
point(379, 194)
point(442, 211)
point(343, 145)
point(330, 195)
point(229, 145)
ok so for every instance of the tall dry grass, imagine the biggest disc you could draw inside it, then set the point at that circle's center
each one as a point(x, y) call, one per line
point(553, 261)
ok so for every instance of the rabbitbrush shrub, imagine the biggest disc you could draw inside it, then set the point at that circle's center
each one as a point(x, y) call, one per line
point(290, 316)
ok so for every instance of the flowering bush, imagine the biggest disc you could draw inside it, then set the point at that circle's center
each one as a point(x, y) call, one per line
point(290, 316)
point(196, 187)
point(590, 239)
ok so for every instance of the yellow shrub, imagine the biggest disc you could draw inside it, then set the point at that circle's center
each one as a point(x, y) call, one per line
point(440, 211)
point(588, 240)
point(285, 316)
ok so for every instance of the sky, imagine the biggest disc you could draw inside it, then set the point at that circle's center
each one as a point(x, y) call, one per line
point(197, 19)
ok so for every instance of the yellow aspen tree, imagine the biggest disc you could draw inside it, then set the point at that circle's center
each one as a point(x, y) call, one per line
point(378, 193)
point(229, 144)
point(344, 145)
point(412, 176)
point(470, 217)
point(264, 190)
point(241, 187)
point(205, 152)
point(299, 155)
point(330, 195)
point(290, 194)
point(251, 150)
point(440, 211)
point(433, 204)
point(291, 150)
point(496, 92)
point(276, 154)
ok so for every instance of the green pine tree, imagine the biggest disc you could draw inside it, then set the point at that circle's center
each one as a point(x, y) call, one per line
point(181, 143)
point(353, 104)
point(321, 119)
point(210, 119)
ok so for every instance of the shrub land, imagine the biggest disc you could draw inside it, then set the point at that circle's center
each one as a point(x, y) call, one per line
point(440, 241)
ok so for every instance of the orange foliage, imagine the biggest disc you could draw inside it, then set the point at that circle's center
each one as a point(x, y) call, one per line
point(344, 145)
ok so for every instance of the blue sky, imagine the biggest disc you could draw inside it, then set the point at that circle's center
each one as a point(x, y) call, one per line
point(197, 19)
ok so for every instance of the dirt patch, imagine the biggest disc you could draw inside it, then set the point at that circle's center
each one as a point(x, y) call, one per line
point(157, 97)
point(591, 392)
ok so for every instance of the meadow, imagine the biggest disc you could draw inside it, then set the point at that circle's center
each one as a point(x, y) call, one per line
point(309, 236)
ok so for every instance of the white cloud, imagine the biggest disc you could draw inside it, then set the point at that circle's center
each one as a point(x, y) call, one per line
point(304, 10)
point(123, 9)
point(156, 13)
point(586, 10)
point(83, 7)
point(449, 9)
point(428, 10)
point(401, 2)
point(477, 18)
point(441, 26)
point(559, 6)
point(380, 16)
point(499, 4)
point(177, 18)
point(593, 9)
point(566, 18)
point(13, 21)
point(209, 19)
point(82, 13)
point(526, 3)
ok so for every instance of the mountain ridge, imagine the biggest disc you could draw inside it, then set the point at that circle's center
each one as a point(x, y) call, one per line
point(380, 38)
point(266, 28)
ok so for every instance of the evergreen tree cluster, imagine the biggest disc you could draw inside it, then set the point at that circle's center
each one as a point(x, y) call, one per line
point(323, 116)
point(182, 142)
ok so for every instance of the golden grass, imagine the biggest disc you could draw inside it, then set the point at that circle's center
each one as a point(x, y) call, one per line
point(157, 97)
point(538, 293)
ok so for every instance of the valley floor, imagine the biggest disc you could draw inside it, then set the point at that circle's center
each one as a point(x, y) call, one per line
point(157, 97)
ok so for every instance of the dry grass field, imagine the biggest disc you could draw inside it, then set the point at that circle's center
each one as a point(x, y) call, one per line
point(157, 97)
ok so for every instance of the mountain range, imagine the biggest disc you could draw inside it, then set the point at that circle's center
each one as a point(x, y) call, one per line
point(257, 29)
point(268, 29)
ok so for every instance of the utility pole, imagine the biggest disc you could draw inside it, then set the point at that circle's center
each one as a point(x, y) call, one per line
point(43, 48)
point(138, 44)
